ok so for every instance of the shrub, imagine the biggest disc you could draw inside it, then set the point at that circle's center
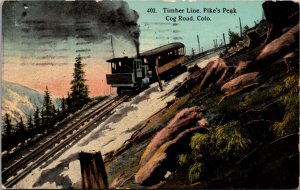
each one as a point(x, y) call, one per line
point(233, 38)
point(290, 120)
point(195, 171)
point(182, 159)
point(224, 143)
point(200, 141)
point(200, 145)
point(230, 141)
point(289, 124)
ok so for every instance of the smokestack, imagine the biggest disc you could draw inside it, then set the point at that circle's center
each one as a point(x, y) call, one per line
point(135, 36)
point(137, 50)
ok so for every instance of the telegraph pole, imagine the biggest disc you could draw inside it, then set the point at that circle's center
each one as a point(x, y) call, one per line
point(224, 42)
point(241, 30)
point(198, 43)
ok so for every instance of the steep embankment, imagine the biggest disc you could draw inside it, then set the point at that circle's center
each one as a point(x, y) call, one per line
point(63, 169)
point(246, 105)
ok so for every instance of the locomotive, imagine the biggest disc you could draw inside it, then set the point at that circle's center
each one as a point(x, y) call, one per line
point(136, 73)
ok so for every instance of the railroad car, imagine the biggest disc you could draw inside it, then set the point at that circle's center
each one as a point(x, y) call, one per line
point(132, 74)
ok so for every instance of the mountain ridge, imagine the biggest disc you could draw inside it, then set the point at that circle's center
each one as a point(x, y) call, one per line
point(21, 101)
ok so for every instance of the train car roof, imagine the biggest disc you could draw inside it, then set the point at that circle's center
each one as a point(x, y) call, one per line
point(117, 59)
point(162, 49)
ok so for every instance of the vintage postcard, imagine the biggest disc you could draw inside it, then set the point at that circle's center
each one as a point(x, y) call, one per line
point(150, 94)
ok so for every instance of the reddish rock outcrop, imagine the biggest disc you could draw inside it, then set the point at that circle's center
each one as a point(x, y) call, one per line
point(227, 74)
point(184, 119)
point(242, 67)
point(280, 46)
point(161, 153)
point(154, 170)
point(213, 73)
point(273, 51)
point(240, 81)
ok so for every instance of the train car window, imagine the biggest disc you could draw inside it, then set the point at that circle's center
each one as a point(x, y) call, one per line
point(113, 66)
point(145, 60)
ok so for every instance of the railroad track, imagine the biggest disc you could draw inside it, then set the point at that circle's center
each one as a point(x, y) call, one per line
point(203, 54)
point(19, 169)
point(70, 119)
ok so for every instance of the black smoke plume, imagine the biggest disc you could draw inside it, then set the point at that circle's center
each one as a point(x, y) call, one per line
point(57, 20)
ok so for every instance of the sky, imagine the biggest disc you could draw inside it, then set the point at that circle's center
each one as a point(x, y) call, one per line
point(41, 39)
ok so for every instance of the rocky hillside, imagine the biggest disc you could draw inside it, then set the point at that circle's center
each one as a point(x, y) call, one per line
point(234, 123)
point(20, 101)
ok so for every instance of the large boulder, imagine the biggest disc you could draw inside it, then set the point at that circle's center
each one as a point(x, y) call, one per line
point(280, 46)
point(242, 67)
point(240, 81)
point(161, 154)
point(158, 165)
point(213, 74)
point(227, 74)
point(183, 120)
point(273, 51)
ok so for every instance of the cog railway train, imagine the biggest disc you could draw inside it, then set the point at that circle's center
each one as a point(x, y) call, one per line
point(133, 74)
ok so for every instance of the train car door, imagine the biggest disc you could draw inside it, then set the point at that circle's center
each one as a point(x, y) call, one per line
point(138, 66)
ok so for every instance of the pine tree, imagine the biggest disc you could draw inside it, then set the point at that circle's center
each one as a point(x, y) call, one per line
point(21, 126)
point(233, 38)
point(55, 112)
point(69, 103)
point(63, 107)
point(245, 29)
point(193, 52)
point(79, 90)
point(37, 119)
point(8, 125)
point(30, 125)
point(58, 115)
point(22, 133)
point(48, 110)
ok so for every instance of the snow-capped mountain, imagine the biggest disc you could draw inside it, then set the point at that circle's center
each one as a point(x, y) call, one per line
point(20, 101)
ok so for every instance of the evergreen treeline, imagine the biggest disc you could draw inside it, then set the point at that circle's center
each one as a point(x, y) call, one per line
point(43, 119)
